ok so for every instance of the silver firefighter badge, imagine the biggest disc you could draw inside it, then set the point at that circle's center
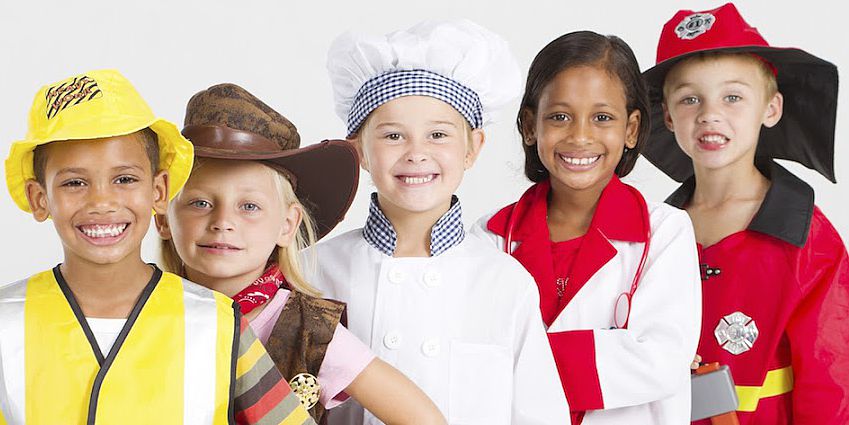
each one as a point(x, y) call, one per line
point(736, 333)
point(694, 25)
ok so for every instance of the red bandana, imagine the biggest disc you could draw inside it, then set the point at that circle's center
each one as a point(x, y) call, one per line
point(261, 290)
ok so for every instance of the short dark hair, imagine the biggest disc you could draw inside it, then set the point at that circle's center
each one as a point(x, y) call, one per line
point(148, 137)
point(582, 48)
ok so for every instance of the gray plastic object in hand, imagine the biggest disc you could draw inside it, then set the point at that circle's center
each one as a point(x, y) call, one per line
point(713, 394)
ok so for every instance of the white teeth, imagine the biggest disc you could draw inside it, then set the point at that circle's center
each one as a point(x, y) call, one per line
point(580, 161)
point(103, 231)
point(418, 180)
point(713, 138)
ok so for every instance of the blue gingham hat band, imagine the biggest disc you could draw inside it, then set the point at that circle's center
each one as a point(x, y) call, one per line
point(415, 82)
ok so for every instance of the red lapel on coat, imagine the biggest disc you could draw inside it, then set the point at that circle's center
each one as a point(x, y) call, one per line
point(618, 216)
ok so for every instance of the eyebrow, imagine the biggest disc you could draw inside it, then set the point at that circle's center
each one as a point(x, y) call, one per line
point(687, 84)
point(567, 105)
point(206, 189)
point(452, 124)
point(388, 124)
point(77, 170)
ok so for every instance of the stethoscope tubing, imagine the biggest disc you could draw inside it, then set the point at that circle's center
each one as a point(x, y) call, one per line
point(508, 242)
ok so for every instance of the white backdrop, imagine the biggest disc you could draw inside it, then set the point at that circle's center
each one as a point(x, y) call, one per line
point(276, 50)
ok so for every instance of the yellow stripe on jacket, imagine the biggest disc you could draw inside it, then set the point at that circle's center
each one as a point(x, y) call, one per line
point(777, 382)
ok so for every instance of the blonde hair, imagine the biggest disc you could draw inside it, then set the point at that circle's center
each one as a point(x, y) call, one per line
point(287, 258)
point(764, 67)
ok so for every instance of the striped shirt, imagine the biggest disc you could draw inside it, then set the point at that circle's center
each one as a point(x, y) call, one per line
point(262, 396)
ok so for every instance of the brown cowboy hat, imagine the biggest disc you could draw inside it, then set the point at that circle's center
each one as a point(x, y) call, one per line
point(225, 121)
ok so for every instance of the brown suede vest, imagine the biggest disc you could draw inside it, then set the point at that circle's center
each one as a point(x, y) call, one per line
point(299, 339)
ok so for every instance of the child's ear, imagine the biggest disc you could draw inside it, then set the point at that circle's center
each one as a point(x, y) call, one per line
point(37, 198)
point(357, 141)
point(162, 226)
point(476, 142)
point(774, 110)
point(160, 192)
point(528, 136)
point(292, 218)
point(632, 130)
point(667, 118)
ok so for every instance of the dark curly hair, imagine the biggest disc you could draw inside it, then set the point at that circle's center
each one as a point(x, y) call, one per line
point(585, 48)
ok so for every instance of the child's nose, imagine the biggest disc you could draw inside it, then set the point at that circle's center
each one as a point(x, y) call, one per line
point(221, 222)
point(416, 153)
point(101, 200)
point(581, 132)
point(709, 113)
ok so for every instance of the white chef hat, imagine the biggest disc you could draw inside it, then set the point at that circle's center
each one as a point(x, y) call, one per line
point(458, 62)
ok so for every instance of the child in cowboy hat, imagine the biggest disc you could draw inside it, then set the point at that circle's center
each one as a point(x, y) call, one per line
point(457, 316)
point(118, 339)
point(252, 202)
point(775, 272)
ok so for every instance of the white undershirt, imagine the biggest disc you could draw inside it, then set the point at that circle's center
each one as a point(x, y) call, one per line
point(105, 332)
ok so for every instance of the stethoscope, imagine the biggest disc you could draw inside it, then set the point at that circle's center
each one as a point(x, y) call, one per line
point(622, 308)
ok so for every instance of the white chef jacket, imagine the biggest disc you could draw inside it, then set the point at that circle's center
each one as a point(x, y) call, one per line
point(464, 325)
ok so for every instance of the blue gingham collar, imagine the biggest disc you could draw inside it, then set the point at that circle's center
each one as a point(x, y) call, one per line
point(446, 233)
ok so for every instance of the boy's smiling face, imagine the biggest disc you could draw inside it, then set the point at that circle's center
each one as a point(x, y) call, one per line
point(100, 194)
point(416, 149)
point(716, 107)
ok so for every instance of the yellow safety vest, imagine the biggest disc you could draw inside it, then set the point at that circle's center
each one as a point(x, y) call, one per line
point(172, 363)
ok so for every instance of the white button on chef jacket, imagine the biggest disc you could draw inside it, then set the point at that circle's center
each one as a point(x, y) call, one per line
point(432, 278)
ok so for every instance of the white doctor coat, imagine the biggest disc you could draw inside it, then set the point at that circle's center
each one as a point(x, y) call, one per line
point(639, 375)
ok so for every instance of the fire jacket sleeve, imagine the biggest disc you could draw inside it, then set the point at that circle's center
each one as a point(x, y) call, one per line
point(818, 330)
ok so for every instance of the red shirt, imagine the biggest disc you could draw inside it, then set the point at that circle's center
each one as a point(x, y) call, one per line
point(789, 273)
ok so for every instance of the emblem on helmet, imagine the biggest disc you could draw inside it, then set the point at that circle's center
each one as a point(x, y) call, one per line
point(694, 25)
point(736, 333)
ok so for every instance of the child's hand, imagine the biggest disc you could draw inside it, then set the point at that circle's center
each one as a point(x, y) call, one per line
point(696, 362)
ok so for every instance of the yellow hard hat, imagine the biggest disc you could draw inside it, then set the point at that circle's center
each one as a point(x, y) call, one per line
point(93, 105)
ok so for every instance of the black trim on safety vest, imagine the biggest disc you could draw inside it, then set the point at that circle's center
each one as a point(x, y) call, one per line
point(78, 313)
point(234, 358)
point(110, 358)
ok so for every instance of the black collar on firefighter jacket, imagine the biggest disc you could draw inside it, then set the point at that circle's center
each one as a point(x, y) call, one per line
point(786, 210)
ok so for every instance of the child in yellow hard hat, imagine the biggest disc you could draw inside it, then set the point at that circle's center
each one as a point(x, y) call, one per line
point(119, 340)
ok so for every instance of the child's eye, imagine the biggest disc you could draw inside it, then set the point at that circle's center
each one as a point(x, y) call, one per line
point(733, 98)
point(73, 183)
point(690, 100)
point(200, 203)
point(126, 180)
point(603, 117)
point(393, 136)
point(559, 117)
point(250, 207)
point(438, 135)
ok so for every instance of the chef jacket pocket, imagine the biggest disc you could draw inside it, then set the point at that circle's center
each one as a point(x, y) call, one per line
point(480, 384)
